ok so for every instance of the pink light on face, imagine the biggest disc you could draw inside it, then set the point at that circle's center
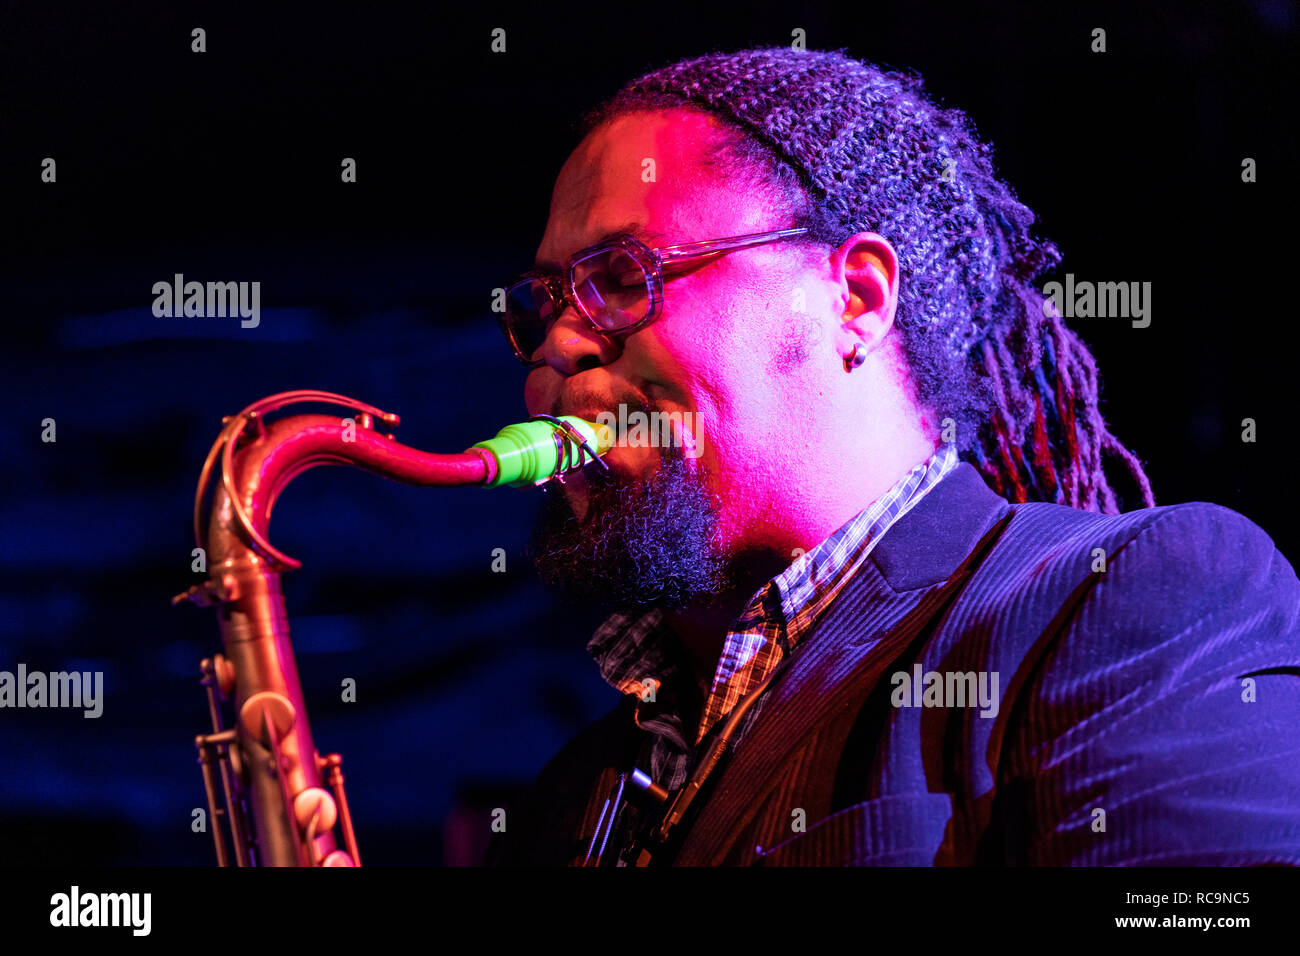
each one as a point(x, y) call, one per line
point(747, 347)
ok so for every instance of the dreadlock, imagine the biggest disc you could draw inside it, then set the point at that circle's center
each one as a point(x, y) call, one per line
point(841, 146)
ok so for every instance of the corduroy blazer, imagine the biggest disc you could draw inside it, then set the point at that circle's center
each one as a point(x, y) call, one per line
point(1148, 705)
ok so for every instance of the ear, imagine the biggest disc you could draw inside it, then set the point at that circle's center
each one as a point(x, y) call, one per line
point(867, 266)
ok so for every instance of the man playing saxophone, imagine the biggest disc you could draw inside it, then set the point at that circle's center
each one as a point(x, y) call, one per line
point(886, 606)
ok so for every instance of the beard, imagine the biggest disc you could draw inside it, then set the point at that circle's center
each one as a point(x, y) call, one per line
point(642, 542)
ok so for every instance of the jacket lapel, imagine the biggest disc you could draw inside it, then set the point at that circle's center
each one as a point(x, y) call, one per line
point(911, 573)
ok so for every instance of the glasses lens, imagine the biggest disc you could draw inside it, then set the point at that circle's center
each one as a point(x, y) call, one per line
point(528, 315)
point(613, 288)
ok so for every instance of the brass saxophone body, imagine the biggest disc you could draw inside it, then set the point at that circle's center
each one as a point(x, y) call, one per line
point(276, 809)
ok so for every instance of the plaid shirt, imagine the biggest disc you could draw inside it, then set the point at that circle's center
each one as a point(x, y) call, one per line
point(638, 653)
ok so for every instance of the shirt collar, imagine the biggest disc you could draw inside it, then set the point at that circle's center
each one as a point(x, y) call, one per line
point(816, 577)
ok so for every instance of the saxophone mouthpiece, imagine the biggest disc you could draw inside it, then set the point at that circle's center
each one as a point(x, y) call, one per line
point(544, 447)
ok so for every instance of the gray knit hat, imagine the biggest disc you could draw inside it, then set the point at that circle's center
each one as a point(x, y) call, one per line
point(882, 157)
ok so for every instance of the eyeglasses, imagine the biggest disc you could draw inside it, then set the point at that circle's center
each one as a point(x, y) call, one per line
point(616, 286)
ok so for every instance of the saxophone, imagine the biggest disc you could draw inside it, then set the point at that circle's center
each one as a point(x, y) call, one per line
point(275, 803)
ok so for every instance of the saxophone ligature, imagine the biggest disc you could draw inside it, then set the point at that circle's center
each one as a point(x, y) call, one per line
point(275, 805)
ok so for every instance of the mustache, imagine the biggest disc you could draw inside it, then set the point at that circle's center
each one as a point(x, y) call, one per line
point(585, 399)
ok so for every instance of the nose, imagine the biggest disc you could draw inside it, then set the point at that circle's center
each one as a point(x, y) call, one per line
point(572, 345)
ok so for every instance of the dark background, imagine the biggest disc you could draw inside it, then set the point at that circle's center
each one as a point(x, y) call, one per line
point(225, 166)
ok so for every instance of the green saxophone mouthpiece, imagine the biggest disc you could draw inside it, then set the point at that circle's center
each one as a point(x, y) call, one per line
point(535, 451)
